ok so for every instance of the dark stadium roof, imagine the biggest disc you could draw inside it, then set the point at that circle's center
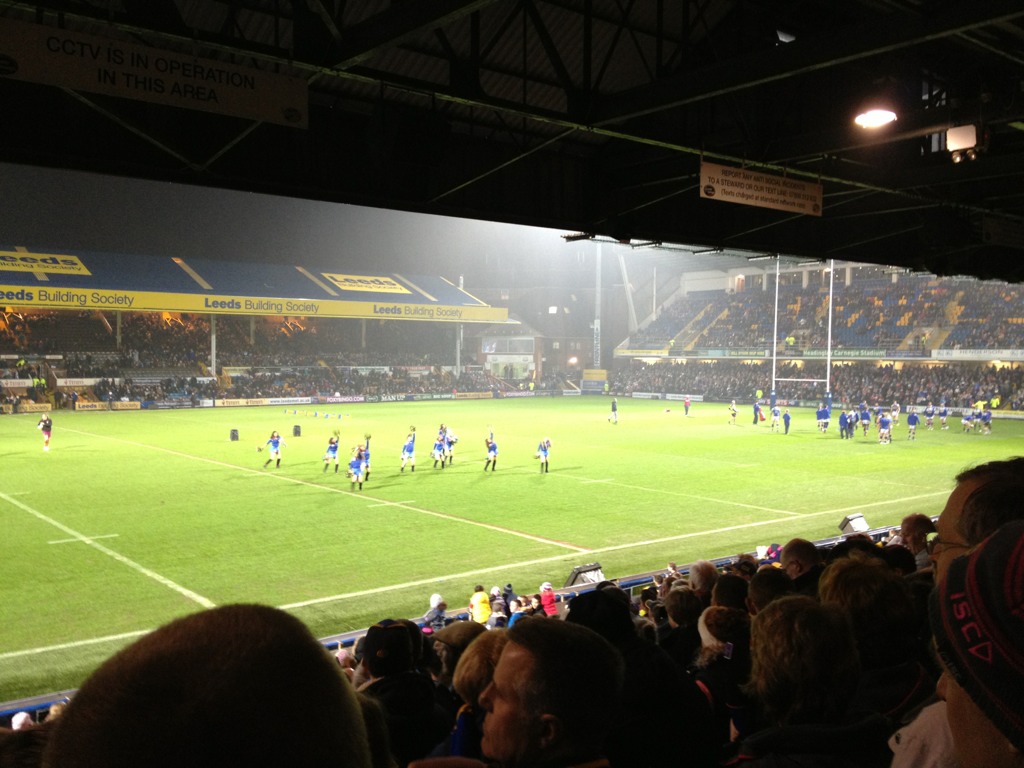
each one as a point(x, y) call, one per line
point(80, 280)
point(591, 116)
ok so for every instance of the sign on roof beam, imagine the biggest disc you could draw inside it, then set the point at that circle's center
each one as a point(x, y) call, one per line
point(760, 190)
point(46, 55)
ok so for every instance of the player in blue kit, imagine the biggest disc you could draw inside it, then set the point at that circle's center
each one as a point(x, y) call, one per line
point(967, 422)
point(912, 421)
point(986, 421)
point(614, 418)
point(274, 443)
point(929, 416)
point(331, 454)
point(543, 449)
point(776, 414)
point(437, 452)
point(865, 418)
point(449, 445)
point(355, 470)
point(409, 450)
point(492, 453)
point(366, 456)
point(943, 415)
point(884, 428)
point(786, 419)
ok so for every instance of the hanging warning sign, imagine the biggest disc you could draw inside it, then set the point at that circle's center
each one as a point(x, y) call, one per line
point(761, 190)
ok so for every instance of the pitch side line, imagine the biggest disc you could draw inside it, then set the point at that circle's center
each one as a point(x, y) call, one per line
point(600, 550)
point(497, 568)
point(195, 597)
point(75, 644)
point(329, 489)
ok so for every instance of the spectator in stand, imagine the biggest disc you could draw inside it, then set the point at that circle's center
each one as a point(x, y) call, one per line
point(744, 566)
point(210, 689)
point(768, 584)
point(722, 667)
point(437, 617)
point(893, 681)
point(802, 562)
point(979, 635)
point(553, 697)
point(914, 530)
point(702, 577)
point(479, 605)
point(651, 679)
point(473, 674)
point(416, 722)
point(730, 591)
point(682, 641)
point(449, 645)
point(499, 607)
point(804, 667)
point(548, 599)
point(986, 497)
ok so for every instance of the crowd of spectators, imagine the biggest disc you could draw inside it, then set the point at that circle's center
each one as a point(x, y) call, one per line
point(915, 312)
point(958, 385)
point(876, 652)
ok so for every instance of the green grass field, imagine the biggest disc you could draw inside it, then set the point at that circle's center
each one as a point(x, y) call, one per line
point(134, 518)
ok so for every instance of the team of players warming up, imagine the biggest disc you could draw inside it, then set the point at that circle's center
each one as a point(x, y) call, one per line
point(885, 420)
point(358, 472)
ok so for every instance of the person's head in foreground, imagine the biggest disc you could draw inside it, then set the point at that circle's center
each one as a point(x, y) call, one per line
point(236, 685)
point(977, 617)
point(554, 693)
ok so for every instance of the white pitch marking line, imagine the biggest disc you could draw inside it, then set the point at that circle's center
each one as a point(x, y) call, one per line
point(606, 480)
point(75, 644)
point(393, 503)
point(110, 553)
point(494, 569)
point(297, 481)
point(91, 538)
point(614, 548)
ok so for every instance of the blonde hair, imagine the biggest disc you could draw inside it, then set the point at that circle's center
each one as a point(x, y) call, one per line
point(476, 666)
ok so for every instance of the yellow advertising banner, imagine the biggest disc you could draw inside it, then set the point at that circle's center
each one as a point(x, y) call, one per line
point(33, 408)
point(129, 405)
point(473, 396)
point(49, 263)
point(366, 283)
point(151, 301)
point(760, 190)
point(595, 374)
point(81, 405)
point(47, 55)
